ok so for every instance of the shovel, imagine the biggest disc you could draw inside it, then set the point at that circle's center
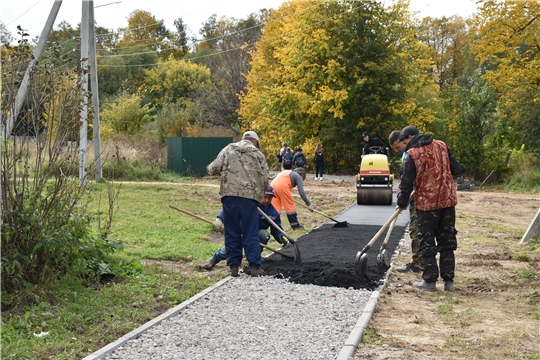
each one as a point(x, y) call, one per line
point(337, 224)
point(360, 263)
point(383, 259)
point(208, 221)
point(297, 257)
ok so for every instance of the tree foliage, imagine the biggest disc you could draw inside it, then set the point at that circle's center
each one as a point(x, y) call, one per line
point(507, 45)
point(124, 115)
point(360, 68)
point(173, 80)
point(224, 49)
point(45, 226)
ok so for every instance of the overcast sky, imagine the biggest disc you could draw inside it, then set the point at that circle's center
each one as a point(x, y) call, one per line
point(32, 14)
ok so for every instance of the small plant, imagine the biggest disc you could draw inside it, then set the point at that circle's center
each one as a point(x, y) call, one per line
point(522, 257)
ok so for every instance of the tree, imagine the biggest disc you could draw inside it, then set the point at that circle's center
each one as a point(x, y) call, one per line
point(224, 49)
point(173, 80)
point(507, 46)
point(144, 29)
point(447, 38)
point(124, 114)
point(6, 38)
point(360, 68)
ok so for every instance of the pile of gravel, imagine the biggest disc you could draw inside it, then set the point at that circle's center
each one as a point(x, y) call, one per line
point(254, 318)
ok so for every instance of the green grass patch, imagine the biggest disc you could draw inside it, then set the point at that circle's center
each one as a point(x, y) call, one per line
point(529, 274)
point(522, 257)
point(77, 317)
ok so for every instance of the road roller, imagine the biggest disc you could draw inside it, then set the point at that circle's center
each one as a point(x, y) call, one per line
point(374, 183)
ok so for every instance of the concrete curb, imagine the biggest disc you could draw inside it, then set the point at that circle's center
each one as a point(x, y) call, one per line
point(104, 351)
point(348, 350)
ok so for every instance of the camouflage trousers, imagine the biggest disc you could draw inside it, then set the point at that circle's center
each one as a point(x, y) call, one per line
point(413, 234)
point(437, 234)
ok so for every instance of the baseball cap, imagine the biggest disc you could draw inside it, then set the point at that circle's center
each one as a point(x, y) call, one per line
point(269, 190)
point(301, 171)
point(251, 134)
point(408, 131)
point(366, 134)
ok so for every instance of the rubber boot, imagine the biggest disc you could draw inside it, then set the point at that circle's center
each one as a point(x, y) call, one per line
point(423, 285)
point(449, 285)
point(208, 264)
point(256, 270)
point(234, 270)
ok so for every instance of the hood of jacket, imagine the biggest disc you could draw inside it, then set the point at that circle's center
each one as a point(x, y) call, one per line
point(420, 140)
point(244, 146)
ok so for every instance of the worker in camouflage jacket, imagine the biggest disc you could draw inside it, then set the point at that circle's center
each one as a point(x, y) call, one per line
point(244, 178)
point(429, 167)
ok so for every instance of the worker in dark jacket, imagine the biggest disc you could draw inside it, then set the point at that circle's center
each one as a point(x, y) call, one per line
point(264, 235)
point(372, 142)
point(429, 166)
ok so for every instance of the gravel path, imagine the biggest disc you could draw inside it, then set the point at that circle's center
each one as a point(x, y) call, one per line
point(254, 318)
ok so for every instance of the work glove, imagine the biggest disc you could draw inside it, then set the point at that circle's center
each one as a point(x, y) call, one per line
point(310, 207)
point(218, 224)
point(283, 240)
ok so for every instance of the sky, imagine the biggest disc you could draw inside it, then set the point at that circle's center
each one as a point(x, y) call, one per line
point(32, 14)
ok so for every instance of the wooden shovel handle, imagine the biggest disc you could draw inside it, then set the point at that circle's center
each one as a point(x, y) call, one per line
point(317, 211)
point(192, 214)
point(275, 225)
point(276, 251)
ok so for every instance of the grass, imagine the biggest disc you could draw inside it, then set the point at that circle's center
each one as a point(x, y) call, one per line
point(77, 317)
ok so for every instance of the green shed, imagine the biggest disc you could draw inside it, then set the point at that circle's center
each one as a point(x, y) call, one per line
point(189, 156)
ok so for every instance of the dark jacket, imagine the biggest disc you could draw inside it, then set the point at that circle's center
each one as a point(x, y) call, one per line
point(318, 158)
point(373, 141)
point(429, 166)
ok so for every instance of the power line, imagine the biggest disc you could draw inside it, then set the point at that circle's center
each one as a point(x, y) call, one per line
point(23, 13)
point(242, 46)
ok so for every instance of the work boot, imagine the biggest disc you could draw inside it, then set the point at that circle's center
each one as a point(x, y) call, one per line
point(208, 264)
point(424, 285)
point(234, 270)
point(449, 285)
point(256, 270)
point(410, 267)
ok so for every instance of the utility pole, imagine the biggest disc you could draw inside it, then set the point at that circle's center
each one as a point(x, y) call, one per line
point(83, 127)
point(23, 89)
point(95, 94)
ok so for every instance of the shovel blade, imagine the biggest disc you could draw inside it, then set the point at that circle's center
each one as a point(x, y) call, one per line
point(340, 224)
point(297, 257)
point(383, 261)
point(360, 265)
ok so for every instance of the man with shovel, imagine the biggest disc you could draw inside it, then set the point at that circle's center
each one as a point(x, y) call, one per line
point(264, 235)
point(416, 264)
point(430, 166)
point(283, 184)
point(244, 178)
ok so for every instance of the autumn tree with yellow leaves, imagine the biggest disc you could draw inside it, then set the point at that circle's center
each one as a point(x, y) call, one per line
point(327, 71)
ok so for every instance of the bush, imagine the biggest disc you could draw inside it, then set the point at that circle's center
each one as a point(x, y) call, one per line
point(46, 230)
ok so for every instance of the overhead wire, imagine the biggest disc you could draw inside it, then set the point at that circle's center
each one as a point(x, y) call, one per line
point(214, 38)
point(243, 46)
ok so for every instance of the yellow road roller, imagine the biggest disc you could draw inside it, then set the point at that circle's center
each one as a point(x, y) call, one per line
point(374, 182)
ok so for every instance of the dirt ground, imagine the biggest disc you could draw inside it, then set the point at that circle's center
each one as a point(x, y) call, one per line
point(494, 312)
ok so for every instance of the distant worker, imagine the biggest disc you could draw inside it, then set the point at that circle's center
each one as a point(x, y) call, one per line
point(318, 159)
point(416, 264)
point(264, 236)
point(283, 184)
point(244, 178)
point(430, 166)
point(282, 153)
point(288, 159)
point(372, 142)
point(299, 159)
